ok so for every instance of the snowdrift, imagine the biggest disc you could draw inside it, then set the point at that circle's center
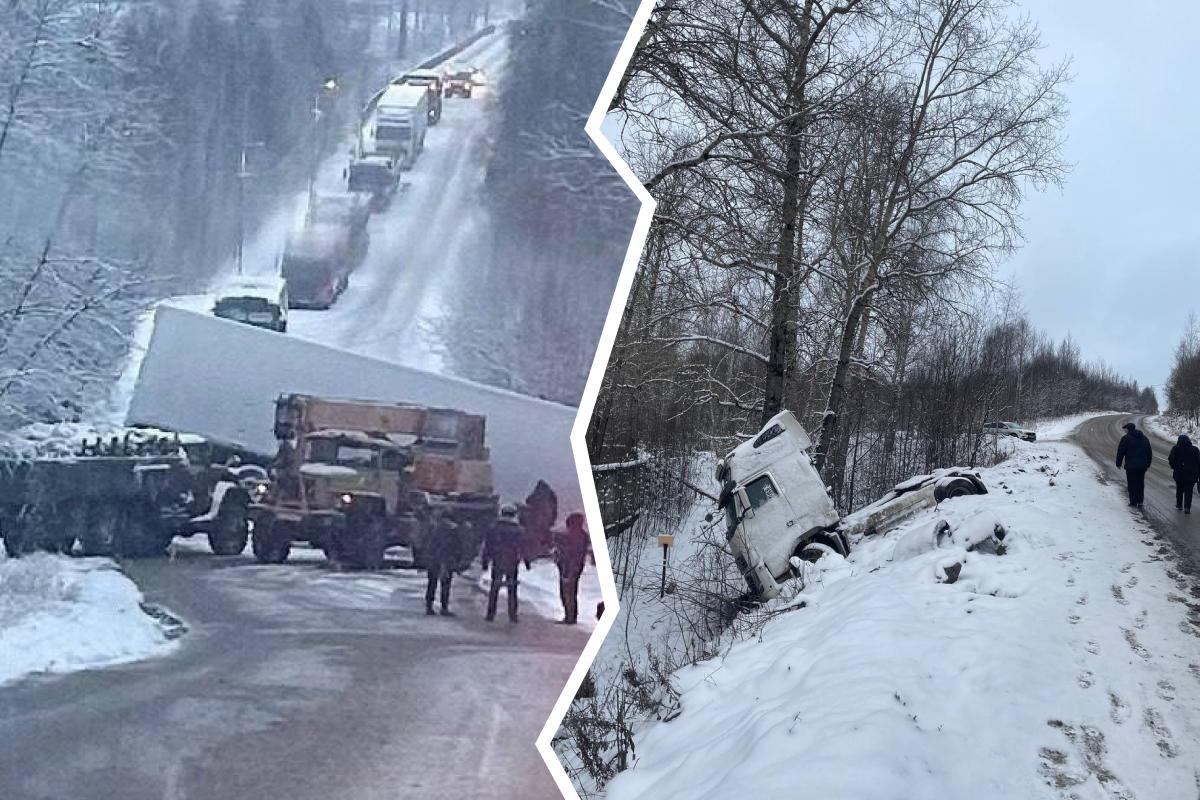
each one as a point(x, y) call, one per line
point(1064, 667)
point(60, 614)
point(218, 378)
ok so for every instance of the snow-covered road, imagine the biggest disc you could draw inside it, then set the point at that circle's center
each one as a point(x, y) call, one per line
point(425, 248)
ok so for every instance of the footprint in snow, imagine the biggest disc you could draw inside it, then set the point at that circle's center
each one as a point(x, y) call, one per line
point(1086, 680)
point(1195, 670)
point(1088, 742)
point(1073, 619)
point(1162, 736)
point(1140, 621)
point(1094, 648)
point(1134, 644)
point(1119, 595)
point(1132, 582)
point(1165, 690)
point(1118, 709)
point(1082, 601)
point(1070, 580)
point(1127, 567)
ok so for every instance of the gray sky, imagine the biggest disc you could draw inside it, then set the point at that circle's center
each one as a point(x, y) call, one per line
point(1112, 258)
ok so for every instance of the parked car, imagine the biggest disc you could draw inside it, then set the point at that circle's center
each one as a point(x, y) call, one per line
point(1010, 429)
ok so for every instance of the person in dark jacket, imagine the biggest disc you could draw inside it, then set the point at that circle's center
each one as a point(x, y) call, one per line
point(538, 515)
point(1185, 469)
point(504, 550)
point(443, 553)
point(1135, 454)
point(570, 553)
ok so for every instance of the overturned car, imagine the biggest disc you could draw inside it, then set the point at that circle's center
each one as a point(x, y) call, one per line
point(778, 509)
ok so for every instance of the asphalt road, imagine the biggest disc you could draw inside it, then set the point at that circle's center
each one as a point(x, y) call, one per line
point(1099, 438)
point(296, 682)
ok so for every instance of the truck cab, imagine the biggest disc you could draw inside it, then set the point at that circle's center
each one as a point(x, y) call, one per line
point(375, 175)
point(261, 302)
point(434, 83)
point(775, 504)
point(399, 122)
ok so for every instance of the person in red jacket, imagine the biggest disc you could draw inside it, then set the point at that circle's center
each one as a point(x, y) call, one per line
point(503, 551)
point(570, 553)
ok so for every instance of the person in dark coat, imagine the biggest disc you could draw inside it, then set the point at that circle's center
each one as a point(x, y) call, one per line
point(503, 551)
point(442, 554)
point(570, 554)
point(538, 515)
point(1135, 454)
point(1185, 469)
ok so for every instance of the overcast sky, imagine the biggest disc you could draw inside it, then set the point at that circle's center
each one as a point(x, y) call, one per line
point(1112, 258)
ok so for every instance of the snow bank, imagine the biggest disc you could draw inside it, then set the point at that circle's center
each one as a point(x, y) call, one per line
point(1066, 667)
point(61, 614)
point(219, 378)
point(1169, 427)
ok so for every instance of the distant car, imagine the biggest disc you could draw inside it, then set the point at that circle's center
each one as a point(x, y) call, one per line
point(460, 82)
point(261, 302)
point(479, 79)
point(1010, 429)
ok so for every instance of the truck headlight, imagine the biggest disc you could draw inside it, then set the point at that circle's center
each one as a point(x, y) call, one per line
point(347, 499)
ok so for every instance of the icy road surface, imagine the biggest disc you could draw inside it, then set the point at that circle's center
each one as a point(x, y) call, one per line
point(297, 683)
point(426, 248)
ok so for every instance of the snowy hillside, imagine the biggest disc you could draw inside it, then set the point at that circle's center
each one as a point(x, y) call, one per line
point(1065, 667)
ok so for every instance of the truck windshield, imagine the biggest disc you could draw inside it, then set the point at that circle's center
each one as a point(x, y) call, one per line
point(393, 132)
point(326, 451)
point(368, 178)
point(760, 491)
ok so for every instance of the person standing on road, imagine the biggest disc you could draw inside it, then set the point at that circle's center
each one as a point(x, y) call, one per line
point(1135, 454)
point(1185, 469)
point(504, 550)
point(441, 557)
point(537, 516)
point(570, 553)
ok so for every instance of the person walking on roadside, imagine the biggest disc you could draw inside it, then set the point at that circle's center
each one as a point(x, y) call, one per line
point(442, 555)
point(570, 554)
point(1135, 454)
point(504, 550)
point(1185, 469)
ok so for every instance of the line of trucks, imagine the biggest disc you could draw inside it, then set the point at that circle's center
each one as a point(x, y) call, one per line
point(350, 477)
point(318, 258)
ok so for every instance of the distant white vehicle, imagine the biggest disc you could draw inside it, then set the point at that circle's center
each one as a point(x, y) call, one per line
point(1010, 429)
point(398, 123)
point(778, 509)
point(262, 302)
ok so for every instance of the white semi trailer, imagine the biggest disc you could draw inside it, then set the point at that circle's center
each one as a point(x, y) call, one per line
point(398, 122)
point(777, 509)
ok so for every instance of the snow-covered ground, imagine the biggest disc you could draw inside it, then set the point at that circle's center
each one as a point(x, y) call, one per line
point(60, 614)
point(1060, 428)
point(1170, 427)
point(1067, 667)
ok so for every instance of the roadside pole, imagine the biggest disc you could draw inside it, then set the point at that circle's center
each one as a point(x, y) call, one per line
point(665, 541)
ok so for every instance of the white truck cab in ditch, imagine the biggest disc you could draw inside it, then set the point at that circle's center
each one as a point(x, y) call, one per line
point(777, 507)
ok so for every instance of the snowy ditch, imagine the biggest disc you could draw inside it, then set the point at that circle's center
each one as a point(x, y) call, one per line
point(1068, 666)
point(60, 614)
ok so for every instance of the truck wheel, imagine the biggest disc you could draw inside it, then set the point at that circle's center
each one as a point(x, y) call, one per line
point(230, 533)
point(957, 487)
point(99, 531)
point(140, 534)
point(12, 530)
point(269, 547)
point(812, 549)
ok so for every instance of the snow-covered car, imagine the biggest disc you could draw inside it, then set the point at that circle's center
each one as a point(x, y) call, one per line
point(1010, 429)
point(777, 509)
point(262, 302)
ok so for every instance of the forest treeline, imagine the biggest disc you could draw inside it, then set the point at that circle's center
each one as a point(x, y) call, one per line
point(835, 186)
point(1183, 386)
point(121, 143)
point(561, 214)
